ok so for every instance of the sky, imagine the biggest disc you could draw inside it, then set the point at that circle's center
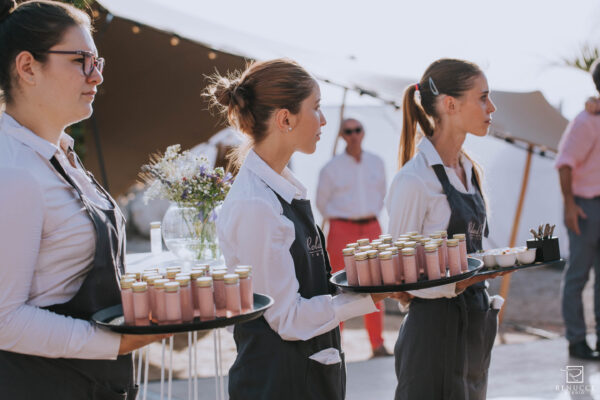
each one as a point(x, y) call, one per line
point(518, 44)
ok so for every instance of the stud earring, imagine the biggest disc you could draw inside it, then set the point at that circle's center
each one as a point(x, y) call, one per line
point(290, 128)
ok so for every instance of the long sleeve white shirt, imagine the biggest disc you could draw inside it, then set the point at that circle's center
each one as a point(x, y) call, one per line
point(416, 201)
point(47, 244)
point(253, 230)
point(350, 189)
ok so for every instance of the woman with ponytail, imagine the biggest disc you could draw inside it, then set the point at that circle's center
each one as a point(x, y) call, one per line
point(294, 350)
point(444, 345)
point(62, 236)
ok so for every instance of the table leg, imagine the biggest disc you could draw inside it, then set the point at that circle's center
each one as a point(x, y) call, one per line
point(169, 384)
point(162, 370)
point(146, 372)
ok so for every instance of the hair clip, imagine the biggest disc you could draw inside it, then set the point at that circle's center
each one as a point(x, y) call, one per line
point(433, 88)
point(417, 88)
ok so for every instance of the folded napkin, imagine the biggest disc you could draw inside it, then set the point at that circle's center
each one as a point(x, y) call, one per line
point(496, 302)
point(328, 356)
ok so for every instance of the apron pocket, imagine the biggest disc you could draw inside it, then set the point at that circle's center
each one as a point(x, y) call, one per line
point(491, 329)
point(132, 393)
point(325, 381)
point(481, 334)
point(101, 392)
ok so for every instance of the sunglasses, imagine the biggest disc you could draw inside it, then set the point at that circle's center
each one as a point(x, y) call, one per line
point(351, 131)
point(90, 61)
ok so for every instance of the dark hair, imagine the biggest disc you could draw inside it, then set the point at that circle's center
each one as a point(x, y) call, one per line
point(249, 98)
point(33, 26)
point(595, 71)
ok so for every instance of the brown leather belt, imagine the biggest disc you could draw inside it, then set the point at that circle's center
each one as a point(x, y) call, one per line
point(361, 221)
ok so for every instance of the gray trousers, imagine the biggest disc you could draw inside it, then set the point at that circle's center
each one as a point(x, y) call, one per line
point(584, 251)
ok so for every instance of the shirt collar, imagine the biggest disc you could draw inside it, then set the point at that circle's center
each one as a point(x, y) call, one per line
point(431, 155)
point(285, 185)
point(43, 147)
point(428, 151)
point(351, 158)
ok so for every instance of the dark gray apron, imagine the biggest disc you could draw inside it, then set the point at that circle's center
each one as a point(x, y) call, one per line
point(444, 345)
point(270, 368)
point(27, 377)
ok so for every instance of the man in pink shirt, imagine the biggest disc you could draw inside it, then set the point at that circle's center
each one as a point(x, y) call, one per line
point(578, 163)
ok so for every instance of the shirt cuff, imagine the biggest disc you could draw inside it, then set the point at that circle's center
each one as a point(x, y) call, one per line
point(103, 344)
point(350, 305)
point(564, 161)
point(448, 291)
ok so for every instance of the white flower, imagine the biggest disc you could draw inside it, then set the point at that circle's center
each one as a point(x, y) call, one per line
point(172, 151)
point(153, 191)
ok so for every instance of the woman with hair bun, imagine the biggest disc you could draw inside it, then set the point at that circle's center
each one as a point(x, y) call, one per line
point(294, 351)
point(61, 234)
point(444, 345)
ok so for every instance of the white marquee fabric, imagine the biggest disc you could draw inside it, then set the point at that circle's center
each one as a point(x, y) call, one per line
point(524, 116)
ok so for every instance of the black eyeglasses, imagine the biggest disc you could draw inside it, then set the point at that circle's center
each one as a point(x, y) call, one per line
point(90, 61)
point(351, 131)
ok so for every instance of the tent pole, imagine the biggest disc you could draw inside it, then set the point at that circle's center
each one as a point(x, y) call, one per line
point(505, 286)
point(342, 109)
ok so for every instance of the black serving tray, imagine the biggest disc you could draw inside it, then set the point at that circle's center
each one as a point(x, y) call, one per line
point(112, 318)
point(490, 271)
point(339, 279)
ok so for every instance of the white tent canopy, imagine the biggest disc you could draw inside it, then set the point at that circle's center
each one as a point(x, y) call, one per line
point(523, 116)
point(527, 117)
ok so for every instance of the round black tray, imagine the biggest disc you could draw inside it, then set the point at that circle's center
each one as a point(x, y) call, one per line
point(339, 279)
point(112, 318)
point(490, 271)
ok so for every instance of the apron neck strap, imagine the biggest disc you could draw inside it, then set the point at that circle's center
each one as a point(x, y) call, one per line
point(440, 171)
point(62, 173)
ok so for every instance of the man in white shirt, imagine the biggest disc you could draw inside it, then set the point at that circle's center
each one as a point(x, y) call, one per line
point(350, 195)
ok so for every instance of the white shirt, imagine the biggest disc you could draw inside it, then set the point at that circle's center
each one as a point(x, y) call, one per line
point(47, 244)
point(350, 189)
point(416, 201)
point(253, 230)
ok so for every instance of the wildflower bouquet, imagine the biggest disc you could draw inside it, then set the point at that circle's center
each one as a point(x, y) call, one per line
point(196, 189)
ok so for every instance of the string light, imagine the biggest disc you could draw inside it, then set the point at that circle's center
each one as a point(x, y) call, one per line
point(135, 29)
point(174, 41)
point(212, 55)
point(542, 152)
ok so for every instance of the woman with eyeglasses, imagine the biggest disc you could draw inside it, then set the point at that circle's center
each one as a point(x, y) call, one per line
point(444, 345)
point(61, 234)
point(294, 350)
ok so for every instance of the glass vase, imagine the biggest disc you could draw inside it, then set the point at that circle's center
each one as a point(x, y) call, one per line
point(190, 233)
